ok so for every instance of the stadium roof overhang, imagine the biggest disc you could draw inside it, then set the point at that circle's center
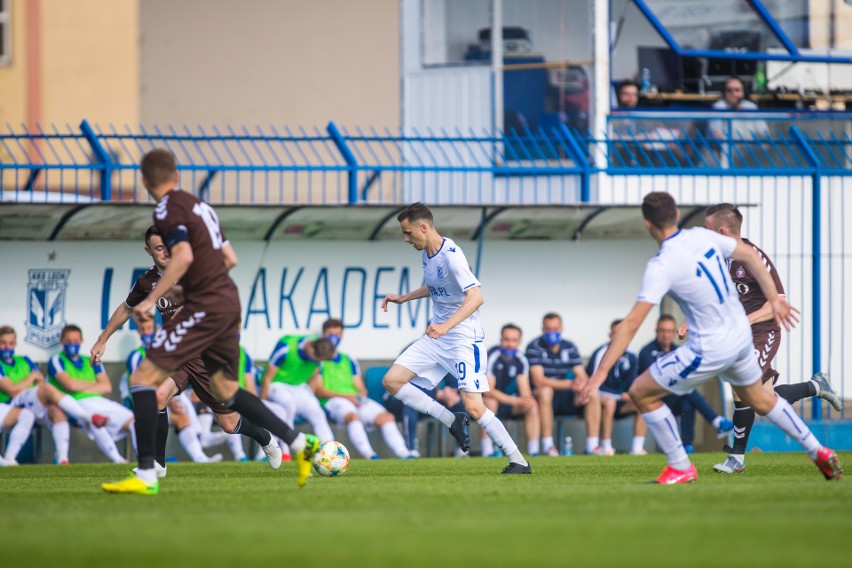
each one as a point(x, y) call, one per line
point(123, 222)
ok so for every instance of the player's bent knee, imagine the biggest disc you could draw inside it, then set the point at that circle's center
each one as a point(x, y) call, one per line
point(228, 422)
point(351, 417)
point(384, 418)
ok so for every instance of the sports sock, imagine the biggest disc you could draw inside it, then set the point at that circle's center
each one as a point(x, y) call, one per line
point(145, 410)
point(743, 421)
point(592, 444)
point(415, 398)
point(638, 445)
point(546, 443)
point(315, 415)
point(106, 444)
point(798, 391)
point(533, 447)
point(19, 434)
point(486, 445)
point(162, 435)
point(249, 429)
point(250, 407)
point(235, 445)
point(606, 444)
point(410, 419)
point(72, 408)
point(192, 444)
point(663, 426)
point(393, 438)
point(701, 405)
point(358, 436)
point(500, 436)
point(783, 416)
point(61, 433)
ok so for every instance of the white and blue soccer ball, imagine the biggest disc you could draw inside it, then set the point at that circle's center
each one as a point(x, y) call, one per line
point(331, 459)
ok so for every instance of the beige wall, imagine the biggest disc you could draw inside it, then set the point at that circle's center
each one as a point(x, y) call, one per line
point(89, 63)
point(270, 62)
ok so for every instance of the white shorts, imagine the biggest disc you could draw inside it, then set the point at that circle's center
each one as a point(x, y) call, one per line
point(681, 370)
point(29, 400)
point(118, 415)
point(4, 411)
point(338, 407)
point(286, 395)
point(431, 359)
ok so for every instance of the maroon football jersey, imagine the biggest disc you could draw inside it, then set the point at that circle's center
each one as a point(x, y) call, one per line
point(167, 305)
point(206, 285)
point(751, 295)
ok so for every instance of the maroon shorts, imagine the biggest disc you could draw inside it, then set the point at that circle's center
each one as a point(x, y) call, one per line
point(194, 374)
point(193, 333)
point(766, 345)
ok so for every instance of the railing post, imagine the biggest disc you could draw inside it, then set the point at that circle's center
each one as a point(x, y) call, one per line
point(816, 265)
point(348, 157)
point(102, 157)
point(581, 161)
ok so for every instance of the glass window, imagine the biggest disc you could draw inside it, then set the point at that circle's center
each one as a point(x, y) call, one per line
point(456, 32)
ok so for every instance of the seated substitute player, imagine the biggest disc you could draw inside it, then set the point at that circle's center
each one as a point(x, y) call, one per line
point(30, 399)
point(557, 373)
point(691, 267)
point(88, 383)
point(193, 373)
point(343, 395)
point(614, 397)
point(453, 340)
point(726, 219)
point(294, 362)
point(511, 395)
point(681, 405)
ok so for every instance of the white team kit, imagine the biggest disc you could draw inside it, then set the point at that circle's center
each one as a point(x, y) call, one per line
point(460, 352)
point(28, 399)
point(692, 268)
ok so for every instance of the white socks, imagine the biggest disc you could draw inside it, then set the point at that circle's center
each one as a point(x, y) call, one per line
point(192, 444)
point(358, 436)
point(393, 438)
point(533, 447)
point(487, 446)
point(61, 433)
point(500, 436)
point(592, 444)
point(415, 398)
point(298, 444)
point(235, 444)
point(19, 434)
point(638, 445)
point(72, 408)
point(663, 426)
point(783, 416)
point(106, 444)
point(546, 444)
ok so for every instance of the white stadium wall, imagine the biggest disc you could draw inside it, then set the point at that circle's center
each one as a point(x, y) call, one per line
point(292, 287)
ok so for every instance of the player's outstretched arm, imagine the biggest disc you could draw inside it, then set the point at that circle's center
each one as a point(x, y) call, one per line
point(422, 292)
point(230, 255)
point(118, 318)
point(785, 314)
point(472, 301)
point(621, 338)
point(181, 259)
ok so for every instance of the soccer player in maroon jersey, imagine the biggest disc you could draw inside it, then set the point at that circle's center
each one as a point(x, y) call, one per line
point(207, 324)
point(726, 219)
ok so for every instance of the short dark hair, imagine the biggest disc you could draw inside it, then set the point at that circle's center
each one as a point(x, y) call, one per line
point(415, 212)
point(615, 322)
point(69, 328)
point(152, 230)
point(624, 84)
point(550, 316)
point(726, 215)
point(323, 349)
point(330, 323)
point(666, 317)
point(510, 326)
point(735, 78)
point(7, 329)
point(660, 209)
point(158, 166)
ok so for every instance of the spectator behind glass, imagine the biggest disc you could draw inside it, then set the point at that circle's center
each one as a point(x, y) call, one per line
point(734, 99)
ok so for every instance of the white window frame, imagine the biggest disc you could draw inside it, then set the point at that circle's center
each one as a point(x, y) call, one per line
point(6, 24)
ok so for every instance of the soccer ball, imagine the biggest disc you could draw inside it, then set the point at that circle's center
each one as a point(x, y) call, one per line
point(331, 459)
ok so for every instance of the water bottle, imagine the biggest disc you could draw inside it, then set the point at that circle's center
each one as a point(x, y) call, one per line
point(569, 446)
point(645, 82)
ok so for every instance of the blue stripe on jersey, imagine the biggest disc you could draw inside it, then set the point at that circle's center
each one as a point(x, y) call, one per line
point(712, 281)
point(710, 253)
point(476, 361)
point(468, 286)
point(722, 271)
point(692, 366)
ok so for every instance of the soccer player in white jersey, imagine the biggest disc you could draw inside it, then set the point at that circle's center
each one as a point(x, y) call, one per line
point(691, 267)
point(453, 342)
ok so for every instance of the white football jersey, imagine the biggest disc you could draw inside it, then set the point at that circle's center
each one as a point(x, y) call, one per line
point(448, 276)
point(692, 268)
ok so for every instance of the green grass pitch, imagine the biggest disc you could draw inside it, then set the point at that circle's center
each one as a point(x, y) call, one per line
point(575, 511)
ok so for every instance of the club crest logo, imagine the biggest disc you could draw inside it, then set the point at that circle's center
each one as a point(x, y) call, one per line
point(46, 306)
point(740, 272)
point(441, 272)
